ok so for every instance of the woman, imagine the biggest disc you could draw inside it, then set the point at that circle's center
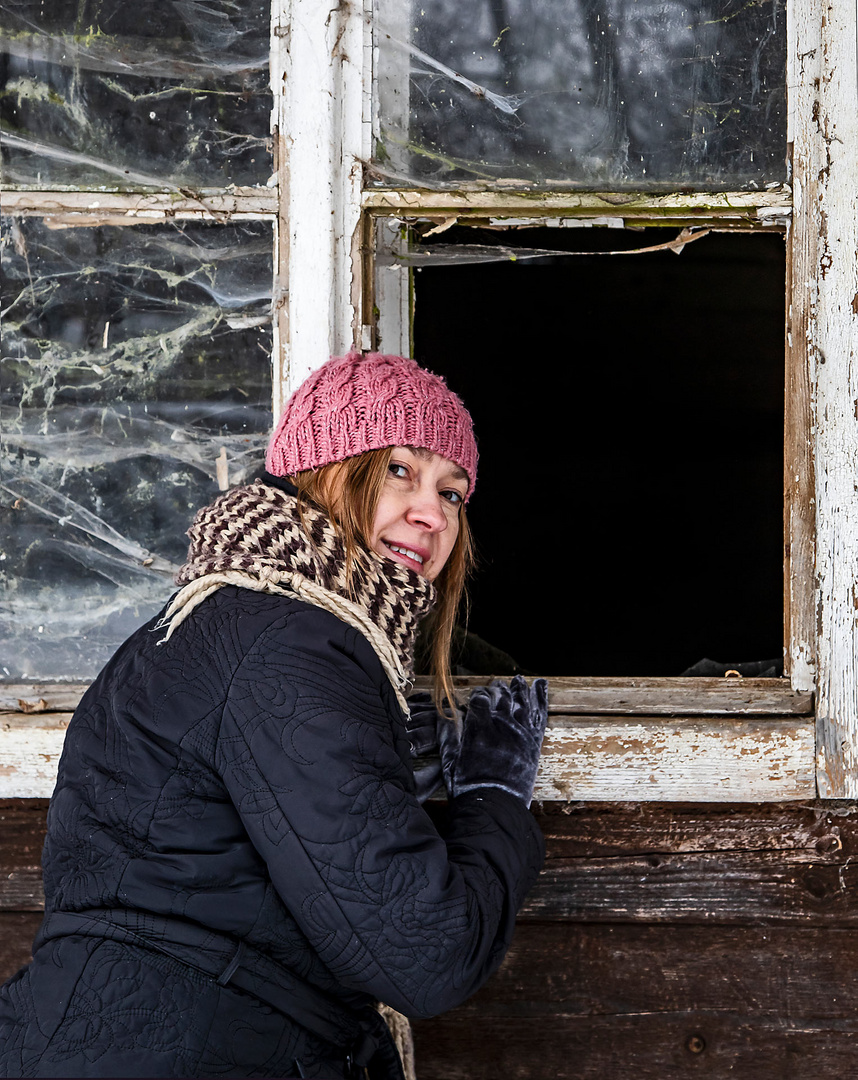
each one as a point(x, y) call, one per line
point(237, 865)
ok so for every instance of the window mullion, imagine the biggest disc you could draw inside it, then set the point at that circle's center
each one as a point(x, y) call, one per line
point(319, 81)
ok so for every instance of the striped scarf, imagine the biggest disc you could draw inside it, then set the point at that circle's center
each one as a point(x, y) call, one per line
point(255, 537)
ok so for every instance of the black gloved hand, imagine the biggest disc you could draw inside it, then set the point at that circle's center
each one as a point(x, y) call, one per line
point(422, 727)
point(422, 724)
point(500, 741)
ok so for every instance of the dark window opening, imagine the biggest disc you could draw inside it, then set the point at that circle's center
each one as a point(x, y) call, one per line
point(629, 412)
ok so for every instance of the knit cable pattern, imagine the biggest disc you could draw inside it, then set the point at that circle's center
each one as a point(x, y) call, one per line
point(254, 537)
point(360, 402)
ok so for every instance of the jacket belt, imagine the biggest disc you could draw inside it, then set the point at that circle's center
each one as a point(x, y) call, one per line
point(360, 1031)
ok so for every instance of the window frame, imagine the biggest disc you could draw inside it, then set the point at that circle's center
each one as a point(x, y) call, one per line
point(326, 224)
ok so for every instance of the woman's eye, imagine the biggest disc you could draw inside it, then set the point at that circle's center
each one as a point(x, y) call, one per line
point(395, 469)
point(453, 496)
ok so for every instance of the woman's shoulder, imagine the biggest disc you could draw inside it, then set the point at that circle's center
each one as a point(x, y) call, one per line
point(248, 622)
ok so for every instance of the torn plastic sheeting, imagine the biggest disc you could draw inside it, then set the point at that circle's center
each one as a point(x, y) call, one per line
point(164, 94)
point(507, 103)
point(70, 514)
point(464, 254)
point(604, 94)
point(124, 433)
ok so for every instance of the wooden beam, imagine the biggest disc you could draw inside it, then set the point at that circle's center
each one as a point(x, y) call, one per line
point(755, 759)
point(567, 695)
point(757, 208)
point(117, 208)
point(638, 696)
point(655, 1002)
point(321, 144)
point(660, 760)
point(825, 330)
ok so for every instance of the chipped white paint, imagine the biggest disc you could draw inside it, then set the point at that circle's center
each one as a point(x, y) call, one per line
point(522, 205)
point(30, 749)
point(320, 104)
point(681, 760)
point(825, 314)
point(128, 208)
point(390, 90)
point(584, 758)
point(392, 292)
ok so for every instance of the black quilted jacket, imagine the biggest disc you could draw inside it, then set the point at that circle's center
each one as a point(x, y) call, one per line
point(236, 864)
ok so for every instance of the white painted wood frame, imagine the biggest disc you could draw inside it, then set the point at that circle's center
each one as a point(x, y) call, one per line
point(325, 295)
point(321, 55)
point(823, 328)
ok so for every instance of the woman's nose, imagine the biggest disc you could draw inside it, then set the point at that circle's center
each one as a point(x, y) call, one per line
point(425, 509)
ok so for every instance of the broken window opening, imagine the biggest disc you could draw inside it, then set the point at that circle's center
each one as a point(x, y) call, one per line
point(137, 384)
point(600, 94)
point(634, 524)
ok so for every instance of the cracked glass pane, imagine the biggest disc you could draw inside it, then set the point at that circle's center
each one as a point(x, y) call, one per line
point(151, 94)
point(136, 384)
point(598, 94)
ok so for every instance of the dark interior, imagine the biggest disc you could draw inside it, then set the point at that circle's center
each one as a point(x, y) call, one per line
point(629, 414)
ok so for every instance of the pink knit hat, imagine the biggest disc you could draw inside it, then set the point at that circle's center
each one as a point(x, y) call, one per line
point(365, 402)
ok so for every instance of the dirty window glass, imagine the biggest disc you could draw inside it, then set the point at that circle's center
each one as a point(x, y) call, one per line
point(136, 385)
point(154, 93)
point(599, 94)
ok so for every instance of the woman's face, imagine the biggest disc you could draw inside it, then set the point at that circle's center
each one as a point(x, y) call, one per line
point(417, 517)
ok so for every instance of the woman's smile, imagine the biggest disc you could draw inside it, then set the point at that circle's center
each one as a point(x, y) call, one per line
point(417, 517)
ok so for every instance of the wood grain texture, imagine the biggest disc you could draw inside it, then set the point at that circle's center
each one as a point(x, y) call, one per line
point(567, 695)
point(660, 941)
point(693, 864)
point(22, 834)
point(784, 864)
point(825, 305)
point(17, 930)
point(746, 208)
point(30, 748)
point(654, 759)
point(704, 759)
point(121, 208)
point(655, 1002)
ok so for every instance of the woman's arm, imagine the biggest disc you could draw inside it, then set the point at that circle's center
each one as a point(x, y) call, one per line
point(312, 749)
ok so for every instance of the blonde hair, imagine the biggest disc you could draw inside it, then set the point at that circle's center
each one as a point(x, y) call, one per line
point(348, 492)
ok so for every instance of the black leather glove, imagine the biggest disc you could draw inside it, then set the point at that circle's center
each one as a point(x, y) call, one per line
point(422, 727)
point(500, 741)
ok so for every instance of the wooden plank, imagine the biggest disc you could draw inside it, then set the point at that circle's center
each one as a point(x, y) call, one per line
point(826, 294)
point(30, 748)
point(119, 208)
point(639, 970)
point(17, 930)
point(729, 864)
point(593, 1003)
point(739, 887)
point(566, 696)
point(22, 834)
point(634, 696)
point(757, 207)
point(320, 107)
point(662, 760)
point(756, 759)
point(599, 830)
point(773, 864)
point(40, 697)
point(799, 475)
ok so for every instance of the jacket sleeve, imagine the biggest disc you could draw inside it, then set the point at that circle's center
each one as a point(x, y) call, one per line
point(417, 917)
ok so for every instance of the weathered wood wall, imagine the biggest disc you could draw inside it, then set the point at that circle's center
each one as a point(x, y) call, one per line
point(661, 941)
